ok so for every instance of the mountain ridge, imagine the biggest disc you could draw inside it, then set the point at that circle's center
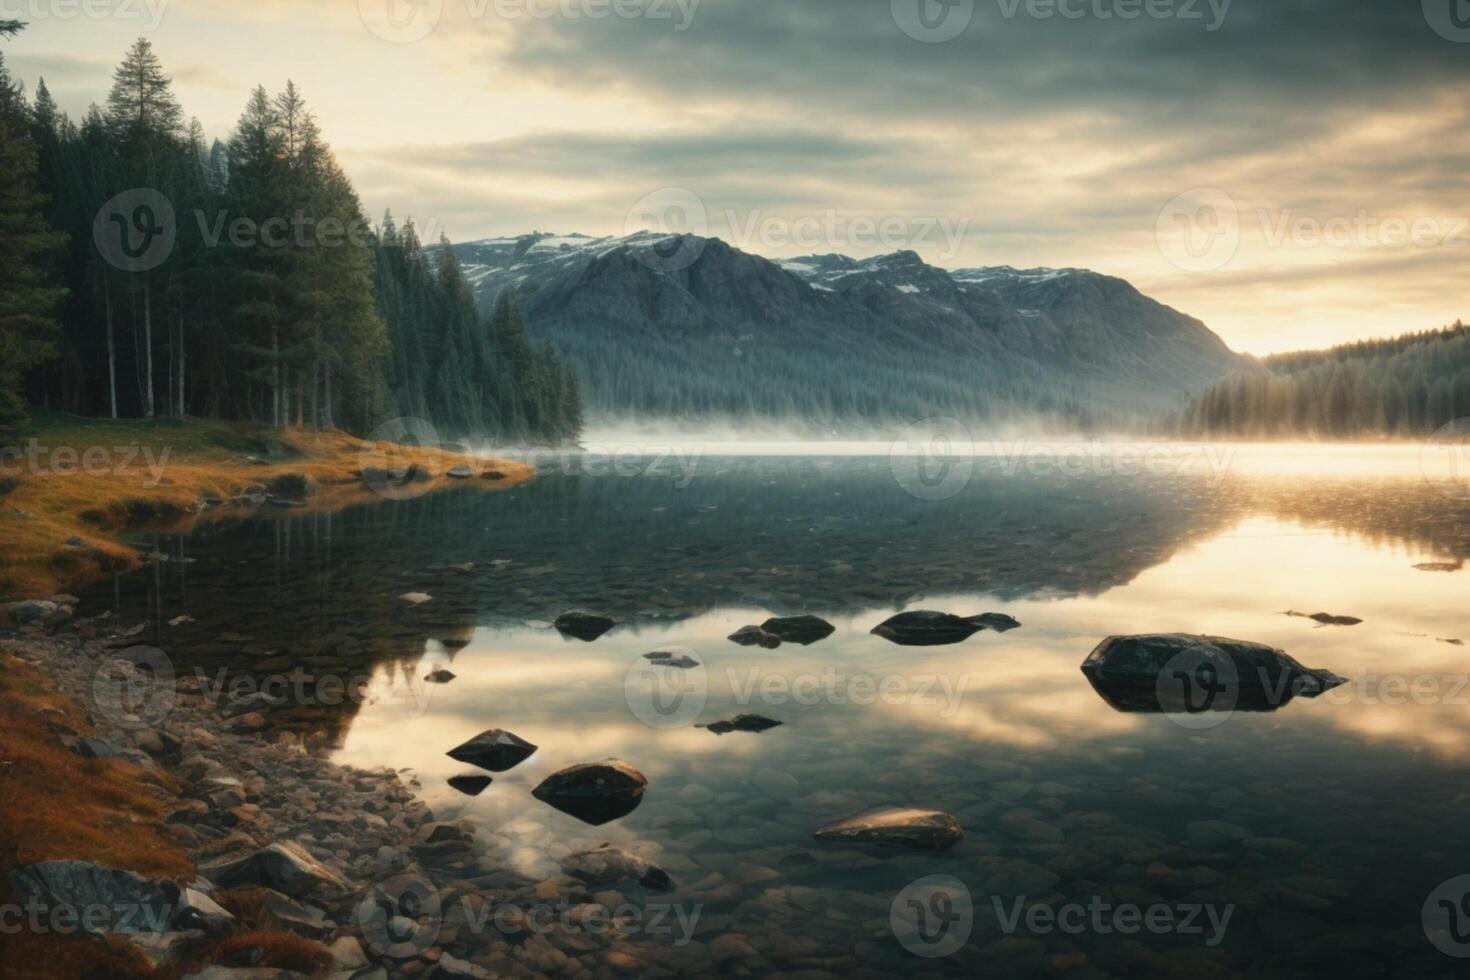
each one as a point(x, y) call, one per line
point(835, 337)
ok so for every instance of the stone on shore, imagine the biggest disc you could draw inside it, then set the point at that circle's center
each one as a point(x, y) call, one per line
point(284, 866)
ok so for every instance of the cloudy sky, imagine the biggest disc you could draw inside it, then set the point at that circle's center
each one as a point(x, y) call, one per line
point(1293, 172)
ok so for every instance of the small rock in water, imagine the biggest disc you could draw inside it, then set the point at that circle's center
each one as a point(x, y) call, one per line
point(470, 785)
point(750, 636)
point(673, 657)
point(440, 676)
point(595, 792)
point(999, 622)
point(925, 628)
point(1440, 566)
point(1326, 619)
point(1454, 642)
point(742, 723)
point(609, 865)
point(461, 473)
point(803, 630)
point(416, 598)
point(898, 826)
point(181, 620)
point(585, 626)
point(495, 750)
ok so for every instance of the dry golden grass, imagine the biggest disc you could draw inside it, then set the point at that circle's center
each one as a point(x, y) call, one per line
point(47, 505)
point(55, 804)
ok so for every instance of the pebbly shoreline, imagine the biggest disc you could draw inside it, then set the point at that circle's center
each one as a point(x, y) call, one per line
point(348, 858)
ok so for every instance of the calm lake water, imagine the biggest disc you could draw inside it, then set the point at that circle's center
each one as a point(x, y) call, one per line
point(1309, 841)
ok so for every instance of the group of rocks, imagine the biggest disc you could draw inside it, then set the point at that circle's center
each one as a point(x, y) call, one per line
point(314, 843)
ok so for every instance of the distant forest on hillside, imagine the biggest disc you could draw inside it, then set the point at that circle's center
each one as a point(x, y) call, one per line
point(275, 301)
point(1406, 387)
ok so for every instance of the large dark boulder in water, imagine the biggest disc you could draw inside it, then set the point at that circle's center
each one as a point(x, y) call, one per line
point(594, 792)
point(495, 750)
point(898, 826)
point(925, 628)
point(610, 865)
point(1177, 673)
point(586, 626)
point(803, 630)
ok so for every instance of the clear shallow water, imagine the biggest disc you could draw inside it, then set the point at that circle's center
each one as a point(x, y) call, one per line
point(1343, 813)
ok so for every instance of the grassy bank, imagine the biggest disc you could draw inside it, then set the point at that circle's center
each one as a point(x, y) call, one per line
point(69, 487)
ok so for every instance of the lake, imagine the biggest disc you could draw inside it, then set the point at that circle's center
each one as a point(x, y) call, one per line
point(1320, 839)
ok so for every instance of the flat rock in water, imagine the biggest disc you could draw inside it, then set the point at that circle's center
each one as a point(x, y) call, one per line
point(1182, 673)
point(1328, 619)
point(585, 626)
point(440, 676)
point(803, 630)
point(898, 826)
point(610, 865)
point(743, 723)
point(999, 622)
point(673, 657)
point(1440, 566)
point(470, 785)
point(416, 598)
point(461, 473)
point(496, 750)
point(595, 792)
point(752, 636)
point(286, 866)
point(925, 628)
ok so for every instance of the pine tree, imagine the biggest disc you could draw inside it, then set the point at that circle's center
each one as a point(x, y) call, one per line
point(26, 300)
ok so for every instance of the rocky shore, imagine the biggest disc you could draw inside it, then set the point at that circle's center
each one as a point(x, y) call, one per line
point(350, 860)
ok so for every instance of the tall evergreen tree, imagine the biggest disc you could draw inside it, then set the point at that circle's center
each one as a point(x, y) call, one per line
point(26, 300)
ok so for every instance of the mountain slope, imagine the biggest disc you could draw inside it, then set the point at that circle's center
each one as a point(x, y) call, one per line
point(682, 325)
